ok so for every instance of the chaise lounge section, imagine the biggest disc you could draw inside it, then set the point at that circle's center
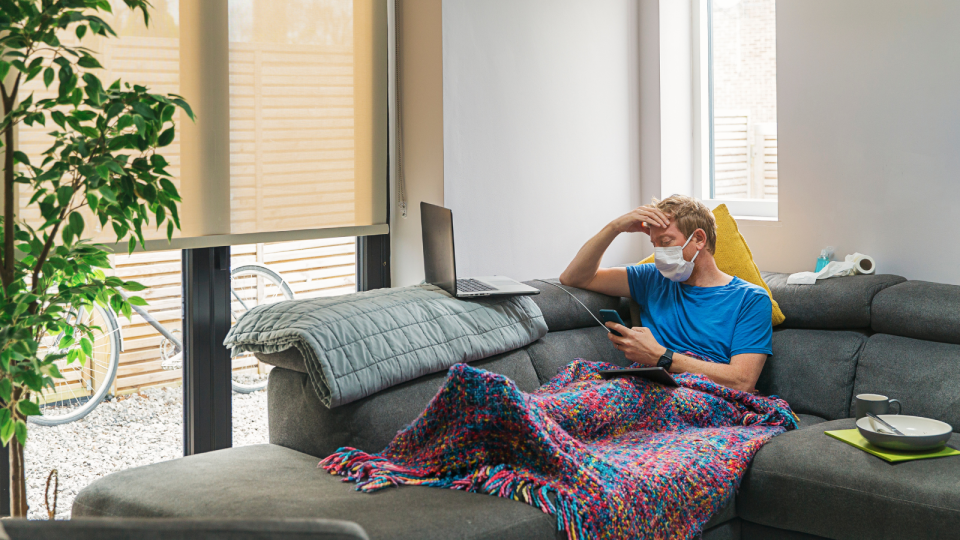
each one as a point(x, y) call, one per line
point(879, 334)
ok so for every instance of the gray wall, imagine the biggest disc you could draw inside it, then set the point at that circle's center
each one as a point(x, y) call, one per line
point(541, 130)
point(869, 136)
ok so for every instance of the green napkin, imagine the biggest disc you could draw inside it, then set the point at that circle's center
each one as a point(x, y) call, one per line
point(854, 438)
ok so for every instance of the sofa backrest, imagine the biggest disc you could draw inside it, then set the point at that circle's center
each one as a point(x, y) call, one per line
point(831, 304)
point(817, 348)
point(914, 356)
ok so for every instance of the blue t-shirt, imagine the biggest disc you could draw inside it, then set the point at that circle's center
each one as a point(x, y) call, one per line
point(715, 323)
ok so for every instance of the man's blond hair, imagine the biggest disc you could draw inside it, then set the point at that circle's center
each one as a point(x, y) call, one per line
point(690, 215)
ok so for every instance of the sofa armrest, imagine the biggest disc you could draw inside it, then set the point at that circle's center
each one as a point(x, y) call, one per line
point(181, 529)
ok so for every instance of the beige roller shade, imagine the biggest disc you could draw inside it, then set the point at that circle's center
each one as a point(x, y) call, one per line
point(290, 141)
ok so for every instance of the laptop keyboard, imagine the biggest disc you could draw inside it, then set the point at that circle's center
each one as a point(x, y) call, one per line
point(472, 285)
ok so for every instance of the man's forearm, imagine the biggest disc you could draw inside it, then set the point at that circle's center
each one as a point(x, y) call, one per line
point(730, 375)
point(584, 266)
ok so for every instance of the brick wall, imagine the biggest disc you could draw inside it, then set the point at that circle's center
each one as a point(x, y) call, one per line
point(745, 57)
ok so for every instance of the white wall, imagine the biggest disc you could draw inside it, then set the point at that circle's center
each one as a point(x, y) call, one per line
point(541, 130)
point(421, 84)
point(869, 136)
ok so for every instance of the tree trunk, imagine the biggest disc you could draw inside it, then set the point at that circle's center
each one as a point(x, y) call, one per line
point(18, 484)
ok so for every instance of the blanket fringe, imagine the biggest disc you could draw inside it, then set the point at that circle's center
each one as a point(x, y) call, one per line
point(372, 473)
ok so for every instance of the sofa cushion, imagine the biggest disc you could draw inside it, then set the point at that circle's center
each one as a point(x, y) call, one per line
point(813, 370)
point(298, 420)
point(561, 312)
point(806, 481)
point(918, 309)
point(923, 375)
point(269, 481)
point(831, 304)
point(557, 349)
point(755, 531)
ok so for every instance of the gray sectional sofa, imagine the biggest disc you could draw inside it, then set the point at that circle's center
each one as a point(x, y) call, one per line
point(879, 334)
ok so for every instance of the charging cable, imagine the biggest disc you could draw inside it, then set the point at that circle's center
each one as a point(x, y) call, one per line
point(564, 289)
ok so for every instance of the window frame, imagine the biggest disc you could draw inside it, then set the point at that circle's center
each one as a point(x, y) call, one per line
point(703, 158)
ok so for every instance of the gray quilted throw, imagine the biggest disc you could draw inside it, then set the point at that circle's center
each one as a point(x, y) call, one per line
point(359, 344)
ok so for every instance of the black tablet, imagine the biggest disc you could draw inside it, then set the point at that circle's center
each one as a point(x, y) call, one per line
point(655, 374)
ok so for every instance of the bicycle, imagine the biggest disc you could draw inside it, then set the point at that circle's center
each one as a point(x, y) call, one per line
point(84, 387)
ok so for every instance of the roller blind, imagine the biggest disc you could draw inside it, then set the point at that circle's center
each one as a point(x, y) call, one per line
point(290, 141)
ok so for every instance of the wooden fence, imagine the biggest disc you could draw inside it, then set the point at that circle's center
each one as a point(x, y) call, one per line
point(745, 157)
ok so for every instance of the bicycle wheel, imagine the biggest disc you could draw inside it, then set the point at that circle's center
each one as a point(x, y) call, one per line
point(83, 387)
point(253, 285)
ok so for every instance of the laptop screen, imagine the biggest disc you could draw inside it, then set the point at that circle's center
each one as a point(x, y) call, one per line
point(439, 263)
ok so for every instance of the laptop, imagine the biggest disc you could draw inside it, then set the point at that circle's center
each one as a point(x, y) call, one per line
point(440, 265)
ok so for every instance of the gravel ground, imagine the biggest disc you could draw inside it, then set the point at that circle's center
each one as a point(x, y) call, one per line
point(129, 431)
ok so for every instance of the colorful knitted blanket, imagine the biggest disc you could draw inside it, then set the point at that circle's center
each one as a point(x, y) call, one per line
point(624, 458)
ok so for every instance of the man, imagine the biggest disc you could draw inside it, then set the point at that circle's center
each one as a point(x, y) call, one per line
point(696, 319)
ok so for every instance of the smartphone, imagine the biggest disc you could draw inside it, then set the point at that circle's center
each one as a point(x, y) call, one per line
point(609, 315)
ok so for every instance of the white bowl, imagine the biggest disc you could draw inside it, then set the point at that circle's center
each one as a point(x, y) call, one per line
point(918, 433)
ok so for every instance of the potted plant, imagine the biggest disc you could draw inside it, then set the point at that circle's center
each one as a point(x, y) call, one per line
point(101, 165)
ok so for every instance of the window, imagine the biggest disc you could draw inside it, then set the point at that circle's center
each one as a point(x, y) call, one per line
point(738, 97)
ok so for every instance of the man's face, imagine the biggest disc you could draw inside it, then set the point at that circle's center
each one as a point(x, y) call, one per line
point(671, 236)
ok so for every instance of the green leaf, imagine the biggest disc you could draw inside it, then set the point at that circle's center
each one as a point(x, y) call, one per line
point(4, 415)
point(158, 161)
point(21, 430)
point(141, 125)
point(48, 77)
point(93, 201)
point(64, 194)
point(7, 430)
point(143, 110)
point(81, 31)
point(76, 223)
point(165, 138)
point(59, 118)
point(6, 387)
point(137, 301)
point(131, 245)
point(19, 156)
point(133, 286)
point(185, 106)
point(29, 408)
point(166, 114)
point(89, 62)
point(86, 346)
point(108, 194)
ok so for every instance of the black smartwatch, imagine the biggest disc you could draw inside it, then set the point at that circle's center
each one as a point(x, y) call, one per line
point(666, 360)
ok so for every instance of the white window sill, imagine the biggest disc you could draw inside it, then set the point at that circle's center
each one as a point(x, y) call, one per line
point(747, 209)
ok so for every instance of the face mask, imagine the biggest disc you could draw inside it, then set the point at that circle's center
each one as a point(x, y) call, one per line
point(670, 263)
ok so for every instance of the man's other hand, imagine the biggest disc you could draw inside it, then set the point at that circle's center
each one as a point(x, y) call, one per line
point(640, 220)
point(637, 344)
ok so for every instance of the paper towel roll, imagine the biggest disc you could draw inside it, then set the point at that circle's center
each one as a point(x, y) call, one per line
point(862, 264)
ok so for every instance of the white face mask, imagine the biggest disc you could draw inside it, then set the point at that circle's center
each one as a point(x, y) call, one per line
point(670, 262)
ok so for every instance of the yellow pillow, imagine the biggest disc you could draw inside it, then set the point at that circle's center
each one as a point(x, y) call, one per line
point(733, 256)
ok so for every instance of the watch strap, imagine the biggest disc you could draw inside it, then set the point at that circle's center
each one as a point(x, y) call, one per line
point(666, 361)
